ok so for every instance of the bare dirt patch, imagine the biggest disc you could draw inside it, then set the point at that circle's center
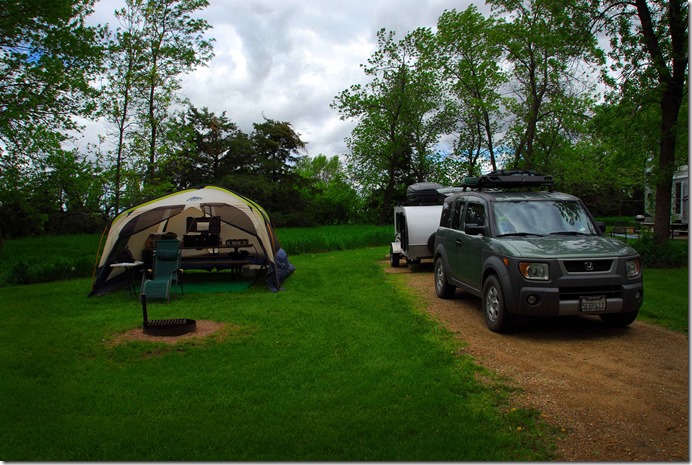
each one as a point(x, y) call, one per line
point(620, 394)
point(204, 329)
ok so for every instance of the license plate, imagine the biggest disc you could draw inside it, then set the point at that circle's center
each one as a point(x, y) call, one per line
point(593, 304)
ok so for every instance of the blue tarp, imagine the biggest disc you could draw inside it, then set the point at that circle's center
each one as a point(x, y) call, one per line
point(284, 268)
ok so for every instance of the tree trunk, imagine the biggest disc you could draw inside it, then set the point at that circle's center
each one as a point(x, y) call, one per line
point(152, 134)
point(387, 199)
point(671, 84)
point(489, 136)
point(670, 107)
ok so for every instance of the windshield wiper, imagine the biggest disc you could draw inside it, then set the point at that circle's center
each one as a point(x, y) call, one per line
point(523, 234)
point(569, 233)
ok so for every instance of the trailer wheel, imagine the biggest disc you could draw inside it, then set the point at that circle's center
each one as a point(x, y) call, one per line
point(394, 258)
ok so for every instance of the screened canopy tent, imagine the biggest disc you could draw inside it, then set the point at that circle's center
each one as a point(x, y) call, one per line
point(217, 229)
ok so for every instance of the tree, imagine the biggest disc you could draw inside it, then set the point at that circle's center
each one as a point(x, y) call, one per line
point(649, 42)
point(396, 119)
point(72, 192)
point(210, 148)
point(47, 58)
point(173, 43)
point(276, 147)
point(330, 199)
point(546, 47)
point(124, 67)
point(469, 56)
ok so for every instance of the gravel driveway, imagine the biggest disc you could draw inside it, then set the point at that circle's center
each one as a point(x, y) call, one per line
point(620, 394)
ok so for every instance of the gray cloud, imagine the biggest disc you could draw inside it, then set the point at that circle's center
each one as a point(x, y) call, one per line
point(288, 59)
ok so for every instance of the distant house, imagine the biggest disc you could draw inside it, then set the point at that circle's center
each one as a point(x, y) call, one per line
point(679, 202)
point(680, 206)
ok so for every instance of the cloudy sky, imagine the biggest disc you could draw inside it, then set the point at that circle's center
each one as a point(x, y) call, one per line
point(288, 59)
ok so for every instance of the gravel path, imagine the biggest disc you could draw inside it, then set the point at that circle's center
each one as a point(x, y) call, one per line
point(620, 394)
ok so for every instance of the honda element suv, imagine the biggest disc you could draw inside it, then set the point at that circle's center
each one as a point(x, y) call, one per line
point(532, 252)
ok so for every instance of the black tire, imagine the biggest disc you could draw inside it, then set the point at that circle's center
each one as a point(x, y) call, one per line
point(619, 320)
point(394, 258)
point(497, 319)
point(443, 289)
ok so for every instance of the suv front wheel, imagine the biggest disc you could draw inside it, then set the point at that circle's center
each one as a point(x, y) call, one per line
point(619, 320)
point(494, 310)
point(443, 289)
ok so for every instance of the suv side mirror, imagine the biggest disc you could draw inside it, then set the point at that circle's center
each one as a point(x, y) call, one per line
point(601, 226)
point(474, 229)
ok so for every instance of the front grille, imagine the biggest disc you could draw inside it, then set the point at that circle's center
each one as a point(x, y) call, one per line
point(588, 266)
point(573, 293)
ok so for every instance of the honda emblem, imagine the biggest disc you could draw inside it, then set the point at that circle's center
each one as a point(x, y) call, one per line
point(588, 266)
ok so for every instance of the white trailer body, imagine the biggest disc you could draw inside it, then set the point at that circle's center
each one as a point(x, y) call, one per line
point(414, 226)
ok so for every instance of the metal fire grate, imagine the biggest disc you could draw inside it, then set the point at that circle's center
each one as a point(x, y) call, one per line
point(169, 327)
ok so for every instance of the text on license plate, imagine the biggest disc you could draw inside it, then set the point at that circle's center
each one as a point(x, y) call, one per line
point(592, 304)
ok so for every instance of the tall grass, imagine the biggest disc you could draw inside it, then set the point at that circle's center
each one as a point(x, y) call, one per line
point(340, 367)
point(47, 258)
point(51, 258)
point(327, 238)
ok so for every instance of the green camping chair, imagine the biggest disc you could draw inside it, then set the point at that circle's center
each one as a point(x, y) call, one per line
point(166, 272)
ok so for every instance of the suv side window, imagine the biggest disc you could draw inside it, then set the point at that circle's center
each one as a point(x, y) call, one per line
point(475, 214)
point(446, 217)
point(456, 216)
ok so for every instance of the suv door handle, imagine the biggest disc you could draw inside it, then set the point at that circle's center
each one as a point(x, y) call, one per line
point(458, 242)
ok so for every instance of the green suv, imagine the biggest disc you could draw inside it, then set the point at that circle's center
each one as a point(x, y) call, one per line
point(532, 252)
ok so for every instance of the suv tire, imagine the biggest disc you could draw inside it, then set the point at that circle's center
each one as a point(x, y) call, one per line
point(443, 289)
point(494, 309)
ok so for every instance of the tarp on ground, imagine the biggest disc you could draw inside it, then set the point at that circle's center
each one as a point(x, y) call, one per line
point(207, 220)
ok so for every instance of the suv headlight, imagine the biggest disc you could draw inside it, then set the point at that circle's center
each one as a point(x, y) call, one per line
point(536, 271)
point(634, 267)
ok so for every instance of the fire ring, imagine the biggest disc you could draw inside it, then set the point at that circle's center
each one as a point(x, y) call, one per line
point(170, 327)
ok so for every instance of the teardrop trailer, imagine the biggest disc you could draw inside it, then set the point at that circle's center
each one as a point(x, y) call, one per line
point(416, 221)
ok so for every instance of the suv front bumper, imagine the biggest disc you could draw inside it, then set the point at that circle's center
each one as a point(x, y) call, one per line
point(555, 301)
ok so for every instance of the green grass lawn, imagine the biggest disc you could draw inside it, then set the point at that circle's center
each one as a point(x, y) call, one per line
point(339, 366)
point(666, 298)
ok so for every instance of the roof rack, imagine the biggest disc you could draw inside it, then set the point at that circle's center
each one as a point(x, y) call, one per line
point(505, 179)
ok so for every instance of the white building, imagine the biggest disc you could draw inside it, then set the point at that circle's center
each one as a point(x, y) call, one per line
point(679, 202)
point(680, 206)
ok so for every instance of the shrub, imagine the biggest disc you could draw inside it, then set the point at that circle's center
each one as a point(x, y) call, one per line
point(672, 254)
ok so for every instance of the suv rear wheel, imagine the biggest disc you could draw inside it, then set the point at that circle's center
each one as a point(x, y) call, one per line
point(494, 310)
point(443, 289)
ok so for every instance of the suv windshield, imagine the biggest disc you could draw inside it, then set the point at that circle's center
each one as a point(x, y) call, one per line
point(542, 217)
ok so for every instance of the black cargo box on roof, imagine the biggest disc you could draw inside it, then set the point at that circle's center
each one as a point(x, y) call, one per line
point(424, 193)
point(502, 179)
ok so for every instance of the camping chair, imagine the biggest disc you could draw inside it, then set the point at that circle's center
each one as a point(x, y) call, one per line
point(166, 272)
